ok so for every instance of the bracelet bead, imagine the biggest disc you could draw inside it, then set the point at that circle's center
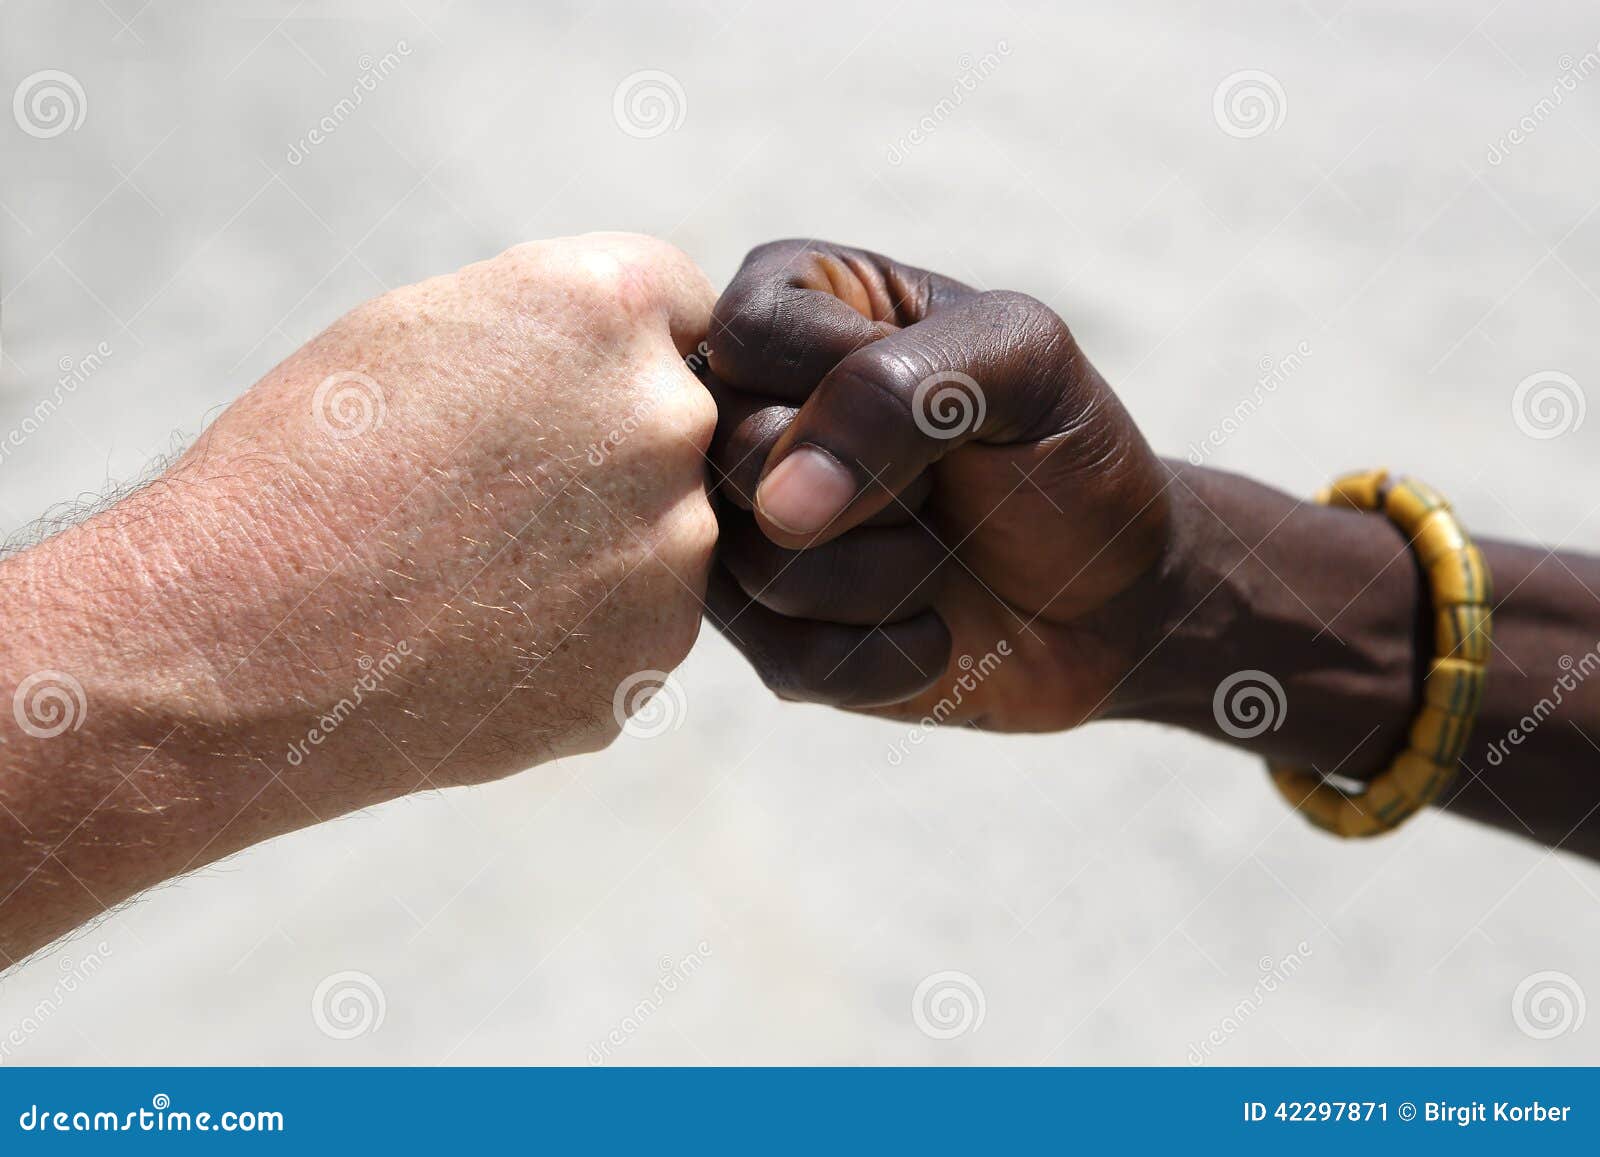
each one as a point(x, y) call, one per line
point(1461, 631)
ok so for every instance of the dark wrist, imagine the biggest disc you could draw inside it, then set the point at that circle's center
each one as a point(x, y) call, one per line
point(1307, 618)
point(1192, 621)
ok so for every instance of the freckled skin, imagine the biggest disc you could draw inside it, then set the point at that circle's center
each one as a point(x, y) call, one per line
point(473, 517)
point(446, 531)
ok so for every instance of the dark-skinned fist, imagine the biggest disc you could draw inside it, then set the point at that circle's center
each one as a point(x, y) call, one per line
point(930, 501)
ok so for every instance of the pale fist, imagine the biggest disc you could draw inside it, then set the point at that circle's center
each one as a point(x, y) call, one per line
point(454, 523)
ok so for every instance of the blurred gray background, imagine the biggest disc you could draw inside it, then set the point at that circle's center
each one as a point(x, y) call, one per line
point(1114, 895)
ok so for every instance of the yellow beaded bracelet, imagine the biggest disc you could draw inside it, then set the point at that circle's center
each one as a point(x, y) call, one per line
point(1458, 580)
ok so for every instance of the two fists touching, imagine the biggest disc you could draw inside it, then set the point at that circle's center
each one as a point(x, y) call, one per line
point(928, 500)
point(431, 546)
point(463, 529)
point(913, 481)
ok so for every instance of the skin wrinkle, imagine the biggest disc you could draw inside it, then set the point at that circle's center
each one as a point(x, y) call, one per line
point(500, 379)
point(912, 297)
point(1126, 587)
point(258, 562)
point(525, 582)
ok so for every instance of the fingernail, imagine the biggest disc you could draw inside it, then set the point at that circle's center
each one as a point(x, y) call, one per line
point(805, 491)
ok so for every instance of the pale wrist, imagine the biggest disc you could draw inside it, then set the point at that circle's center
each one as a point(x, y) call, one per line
point(128, 753)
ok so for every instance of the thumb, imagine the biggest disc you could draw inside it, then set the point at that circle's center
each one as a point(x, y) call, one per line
point(999, 368)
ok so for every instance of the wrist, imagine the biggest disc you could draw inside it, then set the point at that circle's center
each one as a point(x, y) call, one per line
point(1309, 619)
point(154, 700)
point(131, 752)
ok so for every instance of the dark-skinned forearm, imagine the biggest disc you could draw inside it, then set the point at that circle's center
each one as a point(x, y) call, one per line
point(1331, 605)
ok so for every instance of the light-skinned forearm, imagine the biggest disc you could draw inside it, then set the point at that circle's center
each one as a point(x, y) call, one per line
point(128, 757)
point(441, 543)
